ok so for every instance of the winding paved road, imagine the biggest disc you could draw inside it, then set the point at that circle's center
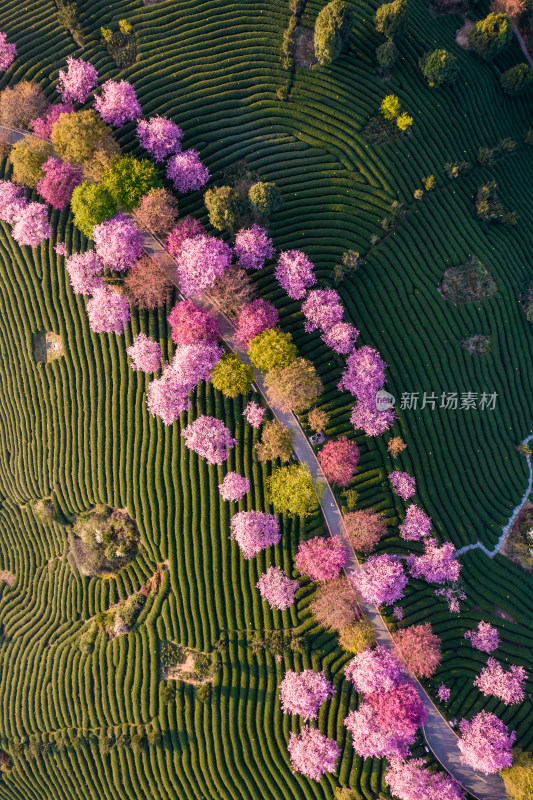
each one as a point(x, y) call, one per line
point(440, 738)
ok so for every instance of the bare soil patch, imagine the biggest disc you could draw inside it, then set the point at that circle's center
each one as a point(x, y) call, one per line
point(47, 346)
point(461, 36)
point(504, 615)
point(7, 577)
point(304, 48)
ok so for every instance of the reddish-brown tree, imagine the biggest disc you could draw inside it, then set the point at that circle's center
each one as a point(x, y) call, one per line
point(418, 648)
point(364, 529)
point(338, 459)
point(147, 284)
point(334, 605)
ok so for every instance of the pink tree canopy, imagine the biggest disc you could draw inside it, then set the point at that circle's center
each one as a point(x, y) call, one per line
point(209, 438)
point(193, 363)
point(84, 270)
point(375, 670)
point(253, 247)
point(486, 637)
point(313, 754)
point(117, 103)
point(190, 323)
point(108, 311)
point(385, 724)
point(486, 744)
point(321, 559)
point(443, 693)
point(186, 228)
point(411, 780)
point(58, 182)
point(341, 338)
point(118, 242)
point(303, 693)
point(253, 413)
point(234, 486)
point(418, 648)
point(437, 565)
point(366, 417)
point(42, 125)
point(381, 579)
point(322, 309)
point(8, 51)
point(364, 374)
point(201, 260)
point(416, 524)
point(12, 201)
point(166, 398)
point(276, 588)
point(77, 82)
point(255, 317)
point(61, 249)
point(506, 686)
point(186, 171)
point(254, 531)
point(145, 354)
point(403, 485)
point(338, 460)
point(160, 136)
point(295, 273)
point(31, 225)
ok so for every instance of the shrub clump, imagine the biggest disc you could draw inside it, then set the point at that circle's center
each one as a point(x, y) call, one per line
point(439, 67)
point(469, 283)
point(104, 540)
point(516, 80)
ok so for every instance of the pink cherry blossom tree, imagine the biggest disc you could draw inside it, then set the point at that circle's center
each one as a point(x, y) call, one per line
point(416, 524)
point(486, 744)
point(364, 374)
point(166, 398)
point(31, 225)
point(443, 693)
point(313, 754)
point(209, 438)
point(254, 531)
point(486, 637)
point(253, 413)
point(403, 485)
point(375, 670)
point(160, 136)
point(84, 270)
point(118, 242)
point(145, 354)
point(12, 201)
point(108, 311)
point(381, 579)
point(437, 565)
point(201, 260)
point(303, 693)
point(322, 309)
point(255, 317)
point(276, 588)
point(42, 125)
point(506, 686)
point(193, 363)
point(253, 247)
point(186, 171)
point(186, 228)
point(234, 486)
point(385, 724)
point(321, 559)
point(341, 338)
point(374, 422)
point(411, 780)
point(8, 51)
point(338, 460)
point(190, 323)
point(295, 273)
point(117, 103)
point(58, 182)
point(418, 648)
point(77, 82)
point(452, 593)
point(61, 249)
